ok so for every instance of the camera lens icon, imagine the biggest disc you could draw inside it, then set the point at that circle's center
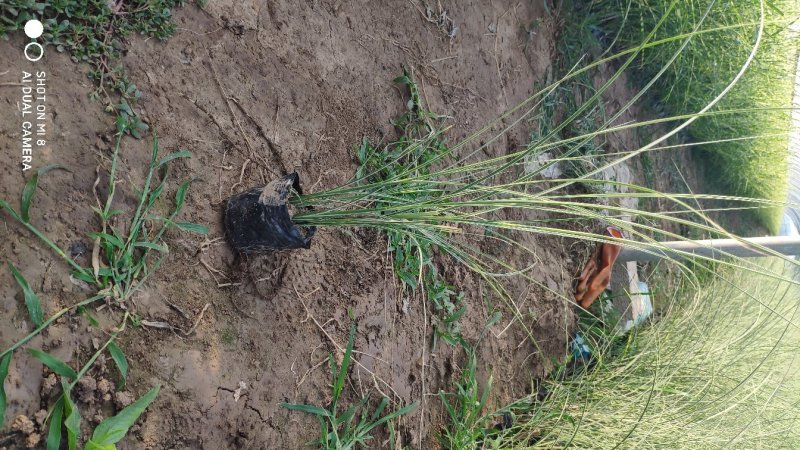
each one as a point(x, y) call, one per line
point(33, 28)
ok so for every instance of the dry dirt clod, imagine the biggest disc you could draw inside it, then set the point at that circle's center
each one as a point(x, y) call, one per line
point(48, 384)
point(40, 417)
point(88, 384)
point(123, 399)
point(32, 440)
point(86, 388)
point(104, 386)
point(22, 424)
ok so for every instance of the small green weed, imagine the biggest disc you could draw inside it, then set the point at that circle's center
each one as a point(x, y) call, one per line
point(468, 423)
point(228, 335)
point(93, 32)
point(124, 256)
point(412, 154)
point(351, 428)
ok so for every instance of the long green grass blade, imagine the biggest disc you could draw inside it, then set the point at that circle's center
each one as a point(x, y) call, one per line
point(5, 361)
point(310, 409)
point(31, 299)
point(30, 189)
point(192, 227)
point(56, 365)
point(72, 421)
point(338, 383)
point(120, 360)
point(174, 156)
point(56, 422)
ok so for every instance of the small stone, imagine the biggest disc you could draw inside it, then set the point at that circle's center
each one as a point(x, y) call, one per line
point(32, 440)
point(22, 424)
point(106, 397)
point(77, 248)
point(123, 399)
point(97, 418)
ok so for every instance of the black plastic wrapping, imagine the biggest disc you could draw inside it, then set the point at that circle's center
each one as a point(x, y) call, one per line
point(258, 220)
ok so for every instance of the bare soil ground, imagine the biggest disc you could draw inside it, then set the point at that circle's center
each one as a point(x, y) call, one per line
point(256, 90)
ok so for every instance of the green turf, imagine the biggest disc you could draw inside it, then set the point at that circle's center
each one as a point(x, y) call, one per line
point(752, 167)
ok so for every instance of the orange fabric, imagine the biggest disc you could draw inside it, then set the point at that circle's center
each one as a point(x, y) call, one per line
point(596, 276)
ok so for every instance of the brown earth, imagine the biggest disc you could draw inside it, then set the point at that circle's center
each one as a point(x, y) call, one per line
point(255, 92)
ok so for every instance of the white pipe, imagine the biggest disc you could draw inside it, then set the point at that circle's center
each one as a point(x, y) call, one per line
point(714, 248)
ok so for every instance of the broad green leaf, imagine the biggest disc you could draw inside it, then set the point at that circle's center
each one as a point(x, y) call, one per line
point(31, 300)
point(54, 433)
point(56, 365)
point(92, 445)
point(310, 409)
point(4, 363)
point(119, 359)
point(403, 79)
point(30, 189)
point(73, 419)
point(193, 227)
point(113, 429)
point(175, 155)
point(124, 106)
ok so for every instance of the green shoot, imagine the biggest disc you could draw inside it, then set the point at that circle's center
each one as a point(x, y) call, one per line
point(113, 429)
point(467, 427)
point(345, 430)
point(5, 361)
point(32, 301)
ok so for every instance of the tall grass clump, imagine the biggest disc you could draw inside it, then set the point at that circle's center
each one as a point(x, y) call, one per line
point(459, 201)
point(690, 370)
point(718, 369)
point(756, 165)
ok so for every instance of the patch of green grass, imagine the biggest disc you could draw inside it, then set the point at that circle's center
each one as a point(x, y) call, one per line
point(756, 167)
point(94, 32)
point(716, 370)
point(126, 253)
point(419, 145)
point(351, 428)
point(468, 425)
point(228, 335)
